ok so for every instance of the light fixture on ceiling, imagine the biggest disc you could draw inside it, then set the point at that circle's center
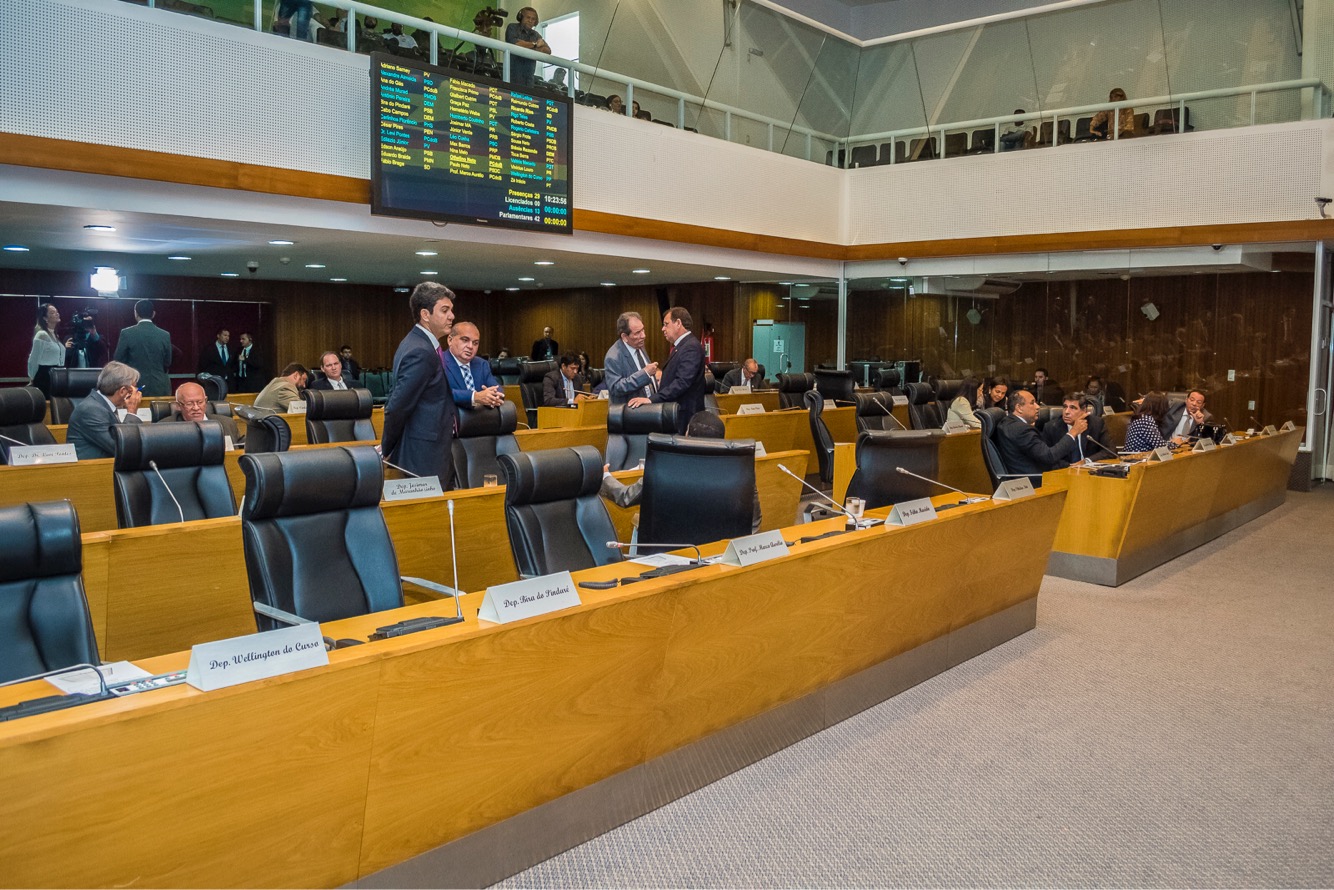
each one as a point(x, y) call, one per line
point(722, 278)
point(608, 284)
point(513, 288)
point(281, 242)
point(100, 228)
point(543, 263)
point(106, 281)
point(338, 279)
point(179, 257)
point(429, 272)
point(401, 290)
point(16, 248)
point(428, 253)
point(314, 265)
point(527, 279)
point(231, 274)
point(640, 271)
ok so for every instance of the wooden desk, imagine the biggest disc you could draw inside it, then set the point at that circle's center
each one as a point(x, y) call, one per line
point(563, 437)
point(1116, 529)
point(587, 412)
point(791, 429)
point(322, 777)
point(730, 404)
point(960, 464)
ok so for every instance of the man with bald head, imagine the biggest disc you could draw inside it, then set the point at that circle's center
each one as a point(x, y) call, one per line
point(470, 377)
point(192, 405)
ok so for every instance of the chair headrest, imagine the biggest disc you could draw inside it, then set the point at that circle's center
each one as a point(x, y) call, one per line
point(920, 393)
point(813, 401)
point(39, 541)
point(161, 410)
point(168, 445)
point(507, 366)
point(342, 404)
point(795, 382)
point(720, 369)
point(299, 483)
point(500, 421)
point(251, 414)
point(556, 474)
point(533, 372)
point(873, 404)
point(659, 417)
point(890, 378)
point(660, 442)
point(896, 438)
point(20, 405)
point(73, 383)
point(990, 417)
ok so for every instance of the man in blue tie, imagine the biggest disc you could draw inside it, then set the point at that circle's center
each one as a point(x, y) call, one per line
point(470, 377)
point(216, 358)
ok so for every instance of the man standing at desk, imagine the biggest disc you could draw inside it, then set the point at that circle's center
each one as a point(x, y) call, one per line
point(683, 375)
point(627, 371)
point(470, 377)
point(1071, 410)
point(1021, 448)
point(1182, 417)
point(419, 418)
point(547, 348)
point(146, 348)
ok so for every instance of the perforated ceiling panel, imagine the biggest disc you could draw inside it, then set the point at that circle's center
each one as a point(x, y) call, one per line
point(209, 90)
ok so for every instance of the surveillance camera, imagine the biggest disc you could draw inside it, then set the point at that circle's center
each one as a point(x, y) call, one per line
point(252, 267)
point(1218, 247)
point(903, 261)
point(285, 260)
point(1321, 204)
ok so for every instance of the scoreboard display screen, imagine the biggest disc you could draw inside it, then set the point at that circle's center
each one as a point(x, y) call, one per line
point(452, 146)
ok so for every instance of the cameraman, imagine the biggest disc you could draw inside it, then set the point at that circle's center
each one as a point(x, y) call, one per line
point(522, 32)
point(86, 348)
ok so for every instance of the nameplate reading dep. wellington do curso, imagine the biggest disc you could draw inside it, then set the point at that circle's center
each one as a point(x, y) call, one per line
point(1013, 489)
point(296, 407)
point(532, 596)
point(912, 512)
point(754, 549)
point(415, 487)
point(36, 455)
point(224, 663)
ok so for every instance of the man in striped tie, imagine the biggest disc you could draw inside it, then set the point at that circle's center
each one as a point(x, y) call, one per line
point(470, 377)
point(626, 370)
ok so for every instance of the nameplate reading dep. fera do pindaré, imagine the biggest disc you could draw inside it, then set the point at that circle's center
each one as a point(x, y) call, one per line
point(532, 596)
point(753, 549)
point(226, 663)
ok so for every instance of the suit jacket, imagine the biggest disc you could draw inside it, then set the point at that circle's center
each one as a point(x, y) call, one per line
point(277, 394)
point(1023, 451)
point(1084, 447)
point(229, 427)
point(324, 384)
point(683, 381)
point(253, 368)
point(1049, 393)
point(482, 377)
point(147, 348)
point(1173, 417)
point(622, 374)
point(90, 426)
point(211, 363)
point(545, 348)
point(553, 388)
point(733, 378)
point(420, 416)
point(351, 370)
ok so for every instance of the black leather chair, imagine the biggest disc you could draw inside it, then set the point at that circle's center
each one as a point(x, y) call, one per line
point(265, 431)
point(316, 544)
point(719, 371)
point(628, 430)
point(507, 370)
point(923, 409)
point(190, 473)
point(836, 385)
point(946, 392)
point(792, 389)
point(880, 454)
point(991, 457)
point(530, 385)
point(68, 386)
point(874, 412)
point(557, 521)
point(46, 625)
point(696, 490)
point(339, 416)
point(215, 388)
point(824, 440)
point(22, 410)
point(890, 381)
point(483, 434)
point(160, 410)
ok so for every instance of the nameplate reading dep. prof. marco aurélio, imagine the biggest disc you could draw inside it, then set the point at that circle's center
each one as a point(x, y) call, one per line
point(532, 596)
point(225, 663)
point(754, 549)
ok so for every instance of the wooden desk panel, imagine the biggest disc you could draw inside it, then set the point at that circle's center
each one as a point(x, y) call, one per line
point(731, 404)
point(588, 412)
point(87, 484)
point(960, 459)
point(565, 437)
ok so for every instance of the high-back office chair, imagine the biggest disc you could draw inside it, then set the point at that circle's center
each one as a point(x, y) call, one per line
point(316, 544)
point(189, 482)
point(507, 370)
point(215, 388)
point(530, 385)
point(874, 412)
point(923, 409)
point(68, 387)
point(719, 501)
point(265, 430)
point(484, 433)
point(880, 454)
point(890, 381)
point(991, 457)
point(792, 389)
point(956, 145)
point(44, 620)
point(983, 141)
point(946, 392)
point(339, 416)
point(836, 385)
point(719, 371)
point(820, 435)
point(557, 521)
point(865, 156)
point(628, 430)
point(22, 410)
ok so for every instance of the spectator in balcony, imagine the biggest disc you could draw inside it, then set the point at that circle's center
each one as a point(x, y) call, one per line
point(394, 38)
point(292, 17)
point(522, 32)
point(1017, 137)
point(1100, 127)
point(615, 104)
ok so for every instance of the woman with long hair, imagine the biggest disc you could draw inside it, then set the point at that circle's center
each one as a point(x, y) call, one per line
point(1143, 433)
point(47, 349)
point(961, 408)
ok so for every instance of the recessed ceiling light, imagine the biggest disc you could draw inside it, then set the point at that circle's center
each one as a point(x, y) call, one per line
point(231, 274)
point(784, 284)
point(640, 271)
point(338, 279)
point(429, 272)
point(527, 279)
point(427, 253)
point(100, 228)
point(608, 284)
point(513, 288)
point(543, 263)
point(281, 242)
point(179, 258)
point(16, 248)
point(722, 278)
point(314, 265)
point(401, 290)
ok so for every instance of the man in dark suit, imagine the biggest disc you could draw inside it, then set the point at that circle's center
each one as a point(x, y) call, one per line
point(546, 348)
point(1044, 389)
point(1182, 418)
point(247, 373)
point(683, 376)
point(216, 358)
point(192, 405)
point(1021, 448)
point(626, 370)
point(351, 369)
point(564, 386)
point(749, 374)
point(146, 348)
point(419, 418)
point(331, 363)
point(90, 425)
point(470, 377)
point(1071, 409)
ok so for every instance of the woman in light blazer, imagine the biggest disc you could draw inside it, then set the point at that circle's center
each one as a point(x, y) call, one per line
point(47, 350)
point(961, 409)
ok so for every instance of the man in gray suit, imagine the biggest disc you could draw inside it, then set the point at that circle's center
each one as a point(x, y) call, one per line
point(90, 425)
point(419, 417)
point(627, 372)
point(146, 348)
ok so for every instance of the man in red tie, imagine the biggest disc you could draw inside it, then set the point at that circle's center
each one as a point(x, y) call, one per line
point(683, 374)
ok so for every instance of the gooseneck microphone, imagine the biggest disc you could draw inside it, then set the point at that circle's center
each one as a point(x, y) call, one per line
point(385, 461)
point(46, 704)
point(179, 512)
point(889, 414)
point(14, 441)
point(622, 545)
point(966, 498)
point(837, 506)
point(1257, 424)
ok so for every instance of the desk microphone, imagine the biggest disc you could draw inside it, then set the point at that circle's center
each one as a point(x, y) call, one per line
point(48, 703)
point(622, 545)
point(14, 441)
point(890, 415)
point(966, 498)
point(423, 623)
point(1102, 446)
point(837, 506)
point(153, 465)
point(1258, 426)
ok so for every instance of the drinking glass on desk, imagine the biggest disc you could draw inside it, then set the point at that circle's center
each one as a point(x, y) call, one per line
point(490, 480)
point(855, 507)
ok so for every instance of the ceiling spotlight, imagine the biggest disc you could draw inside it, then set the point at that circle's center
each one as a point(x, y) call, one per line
point(179, 258)
point(314, 265)
point(281, 242)
point(401, 290)
point(429, 272)
point(527, 279)
point(100, 228)
point(338, 279)
point(640, 271)
point(427, 253)
point(722, 278)
point(16, 248)
point(608, 284)
point(513, 288)
point(543, 263)
point(231, 274)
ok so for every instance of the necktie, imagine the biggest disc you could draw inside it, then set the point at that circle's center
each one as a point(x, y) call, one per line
point(222, 350)
point(467, 377)
point(241, 362)
point(440, 351)
point(569, 391)
point(640, 360)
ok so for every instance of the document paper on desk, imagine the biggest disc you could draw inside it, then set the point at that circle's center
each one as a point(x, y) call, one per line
point(86, 682)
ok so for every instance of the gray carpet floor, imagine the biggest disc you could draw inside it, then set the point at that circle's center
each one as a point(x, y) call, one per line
point(1175, 731)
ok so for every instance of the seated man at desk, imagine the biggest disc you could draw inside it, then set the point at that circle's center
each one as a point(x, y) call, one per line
point(1090, 443)
point(746, 375)
point(191, 404)
point(704, 425)
point(470, 377)
point(114, 400)
point(1182, 418)
point(331, 363)
point(283, 389)
point(563, 387)
point(1022, 449)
